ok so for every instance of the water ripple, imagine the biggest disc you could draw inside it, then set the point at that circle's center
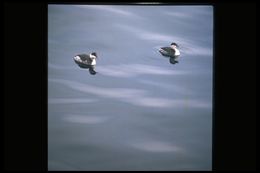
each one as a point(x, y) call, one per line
point(136, 97)
point(69, 100)
point(157, 146)
point(85, 119)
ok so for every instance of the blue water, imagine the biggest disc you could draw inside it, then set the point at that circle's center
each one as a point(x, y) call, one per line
point(139, 112)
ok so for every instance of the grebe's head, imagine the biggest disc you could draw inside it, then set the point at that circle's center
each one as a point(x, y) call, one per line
point(94, 54)
point(174, 45)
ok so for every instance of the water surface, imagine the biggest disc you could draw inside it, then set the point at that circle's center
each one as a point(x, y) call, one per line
point(139, 112)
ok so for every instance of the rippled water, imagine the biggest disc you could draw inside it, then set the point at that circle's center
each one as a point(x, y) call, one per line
point(139, 112)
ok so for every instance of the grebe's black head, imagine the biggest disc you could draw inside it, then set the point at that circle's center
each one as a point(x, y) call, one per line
point(175, 44)
point(94, 53)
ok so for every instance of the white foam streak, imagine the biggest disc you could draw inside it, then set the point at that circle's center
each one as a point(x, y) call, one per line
point(107, 8)
point(157, 146)
point(69, 101)
point(83, 119)
point(136, 97)
point(131, 70)
point(179, 14)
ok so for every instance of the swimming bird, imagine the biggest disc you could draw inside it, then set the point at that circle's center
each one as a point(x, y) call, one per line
point(87, 61)
point(172, 52)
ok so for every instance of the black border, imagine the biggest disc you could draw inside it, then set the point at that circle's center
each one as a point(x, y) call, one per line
point(235, 87)
point(25, 85)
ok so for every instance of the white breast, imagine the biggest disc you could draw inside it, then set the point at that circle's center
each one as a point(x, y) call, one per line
point(93, 62)
point(177, 52)
point(93, 59)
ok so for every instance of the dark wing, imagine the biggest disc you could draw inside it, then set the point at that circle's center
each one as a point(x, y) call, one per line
point(86, 58)
point(167, 51)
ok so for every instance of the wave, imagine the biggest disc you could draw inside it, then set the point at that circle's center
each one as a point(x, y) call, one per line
point(137, 97)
